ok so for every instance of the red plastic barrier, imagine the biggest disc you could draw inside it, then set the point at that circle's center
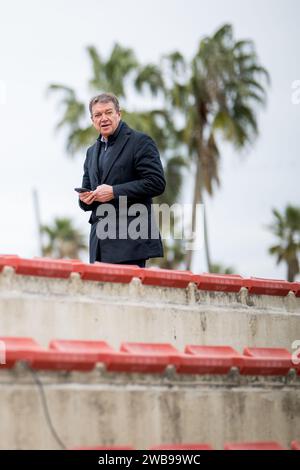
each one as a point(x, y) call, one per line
point(38, 266)
point(56, 360)
point(106, 272)
point(295, 445)
point(296, 288)
point(107, 447)
point(141, 363)
point(80, 346)
point(26, 349)
point(97, 351)
point(46, 267)
point(262, 286)
point(219, 282)
point(266, 361)
point(20, 343)
point(18, 349)
point(182, 447)
point(208, 360)
point(131, 358)
point(166, 277)
point(259, 445)
point(8, 260)
point(156, 349)
point(144, 357)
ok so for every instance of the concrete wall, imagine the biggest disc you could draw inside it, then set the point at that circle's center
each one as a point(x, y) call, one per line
point(99, 408)
point(103, 408)
point(46, 308)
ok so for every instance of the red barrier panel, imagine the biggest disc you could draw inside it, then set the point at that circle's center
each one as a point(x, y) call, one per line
point(208, 360)
point(146, 357)
point(266, 361)
point(162, 349)
point(8, 260)
point(259, 445)
point(46, 267)
point(166, 277)
point(296, 288)
point(26, 349)
point(182, 447)
point(141, 363)
point(261, 286)
point(106, 272)
point(85, 346)
point(18, 349)
point(57, 360)
point(219, 282)
point(107, 447)
point(295, 445)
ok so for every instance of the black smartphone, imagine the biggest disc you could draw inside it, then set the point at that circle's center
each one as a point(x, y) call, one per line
point(82, 190)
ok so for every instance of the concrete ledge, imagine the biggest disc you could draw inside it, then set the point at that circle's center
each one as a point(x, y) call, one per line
point(99, 408)
point(46, 308)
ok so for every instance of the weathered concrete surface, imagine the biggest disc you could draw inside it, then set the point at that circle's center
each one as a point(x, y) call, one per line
point(100, 408)
point(144, 410)
point(46, 308)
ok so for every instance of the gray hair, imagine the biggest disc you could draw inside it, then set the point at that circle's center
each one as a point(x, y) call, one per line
point(104, 98)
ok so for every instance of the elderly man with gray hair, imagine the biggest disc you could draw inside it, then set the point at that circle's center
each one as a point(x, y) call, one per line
point(122, 172)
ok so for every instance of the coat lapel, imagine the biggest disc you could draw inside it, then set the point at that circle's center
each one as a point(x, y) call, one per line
point(118, 146)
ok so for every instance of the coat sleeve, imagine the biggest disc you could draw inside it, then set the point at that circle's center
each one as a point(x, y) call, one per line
point(86, 184)
point(150, 180)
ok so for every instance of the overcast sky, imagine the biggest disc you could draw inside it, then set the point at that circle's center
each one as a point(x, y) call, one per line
point(44, 42)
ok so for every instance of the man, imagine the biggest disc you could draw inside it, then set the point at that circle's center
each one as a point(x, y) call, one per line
point(122, 162)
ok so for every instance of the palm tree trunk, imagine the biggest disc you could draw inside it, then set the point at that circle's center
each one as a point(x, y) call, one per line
point(207, 253)
point(290, 276)
point(293, 270)
point(198, 199)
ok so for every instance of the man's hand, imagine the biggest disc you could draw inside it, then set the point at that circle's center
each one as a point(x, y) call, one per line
point(87, 198)
point(103, 193)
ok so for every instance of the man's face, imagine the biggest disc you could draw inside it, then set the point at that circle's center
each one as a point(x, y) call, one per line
point(105, 118)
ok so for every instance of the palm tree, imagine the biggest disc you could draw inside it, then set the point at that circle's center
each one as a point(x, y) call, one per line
point(286, 227)
point(120, 68)
point(63, 240)
point(220, 269)
point(217, 92)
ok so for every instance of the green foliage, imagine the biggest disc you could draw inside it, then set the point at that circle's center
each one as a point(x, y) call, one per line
point(219, 95)
point(63, 239)
point(220, 269)
point(286, 227)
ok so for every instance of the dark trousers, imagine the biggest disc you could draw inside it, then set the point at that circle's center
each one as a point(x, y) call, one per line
point(137, 262)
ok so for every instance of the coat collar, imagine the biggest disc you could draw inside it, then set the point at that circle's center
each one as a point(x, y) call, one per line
point(119, 142)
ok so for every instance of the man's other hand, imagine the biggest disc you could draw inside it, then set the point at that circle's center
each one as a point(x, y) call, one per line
point(103, 193)
point(87, 198)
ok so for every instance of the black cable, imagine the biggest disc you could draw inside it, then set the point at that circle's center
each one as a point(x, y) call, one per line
point(45, 405)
